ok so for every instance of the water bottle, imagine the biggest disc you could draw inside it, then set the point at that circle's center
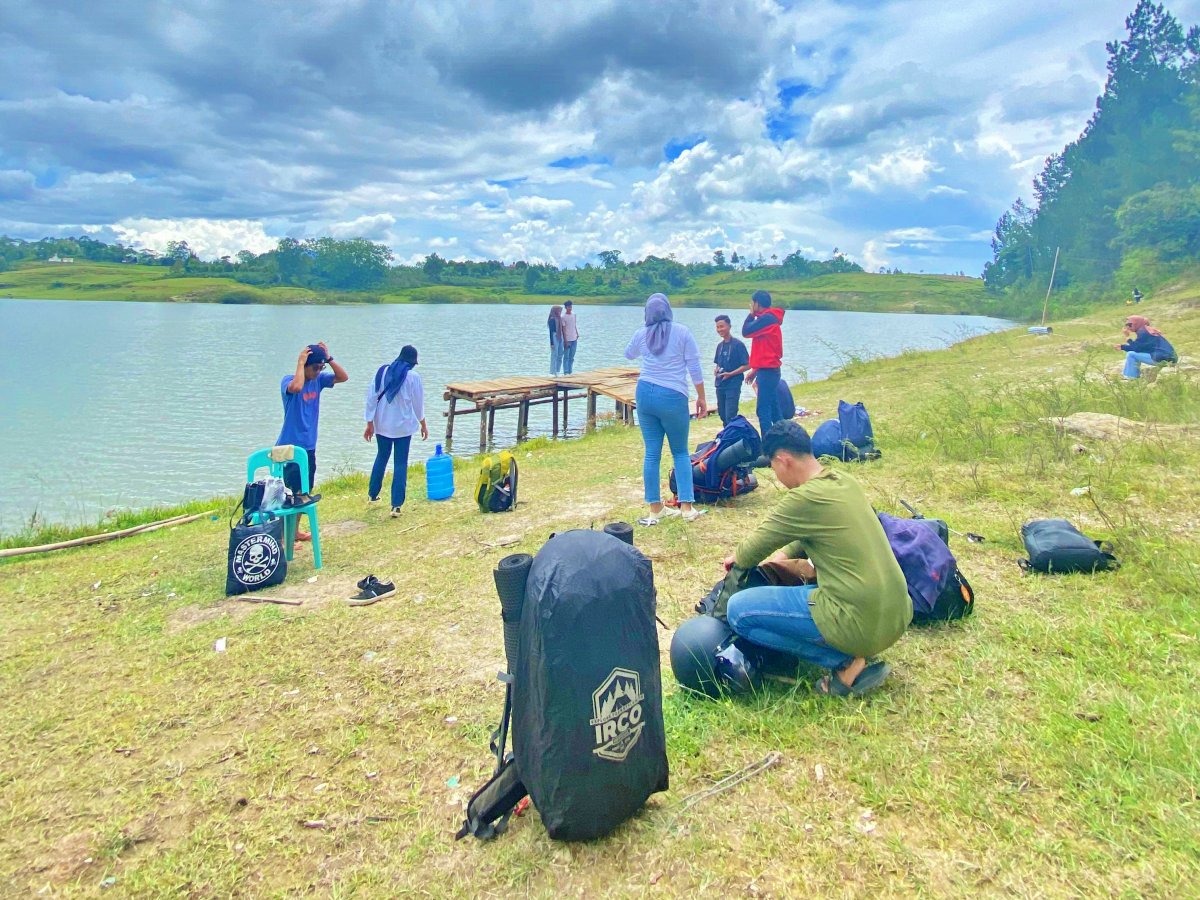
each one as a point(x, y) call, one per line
point(439, 475)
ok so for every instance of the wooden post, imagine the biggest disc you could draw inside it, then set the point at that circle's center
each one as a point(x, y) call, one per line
point(483, 410)
point(566, 397)
point(554, 415)
point(450, 423)
point(491, 423)
point(591, 409)
point(523, 420)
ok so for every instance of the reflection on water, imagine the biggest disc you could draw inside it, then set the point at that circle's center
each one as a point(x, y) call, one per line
point(132, 404)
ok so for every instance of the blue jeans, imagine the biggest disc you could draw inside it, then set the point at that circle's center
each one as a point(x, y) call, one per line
point(664, 412)
point(1133, 363)
point(568, 356)
point(780, 618)
point(556, 355)
point(385, 447)
point(768, 392)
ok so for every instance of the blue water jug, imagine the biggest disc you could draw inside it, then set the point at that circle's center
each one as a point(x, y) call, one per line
point(439, 475)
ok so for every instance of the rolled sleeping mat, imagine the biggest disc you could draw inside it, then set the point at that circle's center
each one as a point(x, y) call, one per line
point(510, 576)
point(733, 455)
point(622, 531)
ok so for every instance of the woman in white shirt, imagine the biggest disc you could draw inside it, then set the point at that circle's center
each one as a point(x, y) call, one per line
point(395, 410)
point(670, 358)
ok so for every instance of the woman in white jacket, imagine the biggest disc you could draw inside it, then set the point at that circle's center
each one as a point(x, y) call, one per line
point(395, 410)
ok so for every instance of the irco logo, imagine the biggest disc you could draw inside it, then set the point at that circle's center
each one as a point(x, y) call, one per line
point(255, 559)
point(617, 714)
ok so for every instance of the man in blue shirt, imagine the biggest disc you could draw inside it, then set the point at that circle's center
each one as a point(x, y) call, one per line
point(301, 393)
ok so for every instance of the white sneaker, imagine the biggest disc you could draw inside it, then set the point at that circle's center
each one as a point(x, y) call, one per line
point(696, 512)
point(668, 511)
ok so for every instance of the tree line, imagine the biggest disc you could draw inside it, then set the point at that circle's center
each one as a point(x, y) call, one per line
point(359, 264)
point(1120, 205)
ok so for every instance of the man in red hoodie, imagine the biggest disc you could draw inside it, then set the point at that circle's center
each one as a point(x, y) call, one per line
point(766, 354)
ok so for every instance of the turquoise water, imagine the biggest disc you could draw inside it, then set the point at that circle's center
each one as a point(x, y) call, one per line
point(134, 404)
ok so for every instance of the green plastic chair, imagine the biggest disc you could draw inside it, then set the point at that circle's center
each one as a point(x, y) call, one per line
point(261, 459)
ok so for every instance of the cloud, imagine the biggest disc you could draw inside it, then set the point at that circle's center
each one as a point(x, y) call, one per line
point(544, 130)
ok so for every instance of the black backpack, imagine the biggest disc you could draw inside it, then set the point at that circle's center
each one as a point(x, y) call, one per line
point(589, 744)
point(1055, 547)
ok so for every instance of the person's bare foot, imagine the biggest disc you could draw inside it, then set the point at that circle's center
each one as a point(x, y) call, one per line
point(849, 675)
point(303, 536)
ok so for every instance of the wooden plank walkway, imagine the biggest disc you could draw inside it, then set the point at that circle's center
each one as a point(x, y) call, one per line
point(520, 392)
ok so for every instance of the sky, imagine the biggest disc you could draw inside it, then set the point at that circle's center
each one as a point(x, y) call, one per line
point(895, 131)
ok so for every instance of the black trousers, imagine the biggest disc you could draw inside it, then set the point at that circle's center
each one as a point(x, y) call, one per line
point(291, 474)
point(729, 392)
point(767, 409)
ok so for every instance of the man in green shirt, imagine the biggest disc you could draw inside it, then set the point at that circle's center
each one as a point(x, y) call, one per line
point(860, 605)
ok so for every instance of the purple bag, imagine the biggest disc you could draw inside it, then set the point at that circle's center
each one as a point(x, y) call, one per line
point(926, 562)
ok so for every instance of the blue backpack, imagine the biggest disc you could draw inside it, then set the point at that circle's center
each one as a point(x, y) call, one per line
point(720, 467)
point(849, 437)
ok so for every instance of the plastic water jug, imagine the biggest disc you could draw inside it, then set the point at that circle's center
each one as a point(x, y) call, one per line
point(439, 475)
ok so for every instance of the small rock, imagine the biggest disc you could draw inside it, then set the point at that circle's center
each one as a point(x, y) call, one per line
point(372, 775)
point(313, 580)
point(96, 586)
point(1080, 491)
point(450, 720)
point(320, 787)
point(819, 772)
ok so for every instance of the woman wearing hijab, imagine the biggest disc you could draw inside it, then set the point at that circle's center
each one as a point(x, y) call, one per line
point(395, 410)
point(1144, 345)
point(670, 359)
point(554, 323)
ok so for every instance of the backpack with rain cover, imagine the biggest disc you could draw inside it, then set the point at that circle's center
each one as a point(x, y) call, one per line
point(496, 489)
point(721, 467)
point(849, 437)
point(589, 745)
point(937, 588)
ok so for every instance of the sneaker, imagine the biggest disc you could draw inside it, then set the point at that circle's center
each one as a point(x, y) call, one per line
point(395, 512)
point(696, 512)
point(669, 511)
point(648, 521)
point(372, 593)
point(372, 499)
point(370, 579)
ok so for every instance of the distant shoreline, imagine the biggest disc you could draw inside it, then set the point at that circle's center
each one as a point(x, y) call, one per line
point(847, 292)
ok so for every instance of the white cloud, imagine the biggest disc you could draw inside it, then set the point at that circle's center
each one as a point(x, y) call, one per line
point(208, 238)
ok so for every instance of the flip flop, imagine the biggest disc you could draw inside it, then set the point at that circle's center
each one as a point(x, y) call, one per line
point(868, 680)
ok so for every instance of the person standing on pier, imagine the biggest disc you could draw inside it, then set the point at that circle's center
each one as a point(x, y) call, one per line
point(670, 358)
point(554, 323)
point(762, 326)
point(570, 337)
point(729, 365)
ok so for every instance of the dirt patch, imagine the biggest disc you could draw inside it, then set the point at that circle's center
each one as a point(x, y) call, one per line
point(67, 859)
point(188, 617)
point(339, 529)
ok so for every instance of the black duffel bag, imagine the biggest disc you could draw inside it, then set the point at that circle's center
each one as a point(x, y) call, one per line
point(256, 554)
point(1055, 547)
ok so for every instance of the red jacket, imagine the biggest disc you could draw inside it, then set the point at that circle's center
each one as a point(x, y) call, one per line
point(766, 338)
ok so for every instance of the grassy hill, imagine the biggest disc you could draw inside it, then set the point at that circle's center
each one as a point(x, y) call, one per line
point(854, 291)
point(1046, 746)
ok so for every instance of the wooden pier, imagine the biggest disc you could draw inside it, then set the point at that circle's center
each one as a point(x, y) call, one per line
point(520, 392)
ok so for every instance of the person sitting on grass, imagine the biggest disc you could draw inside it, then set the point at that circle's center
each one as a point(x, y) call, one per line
point(1144, 345)
point(301, 393)
point(860, 605)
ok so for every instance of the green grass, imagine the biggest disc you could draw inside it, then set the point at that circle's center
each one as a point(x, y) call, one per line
point(855, 291)
point(1045, 747)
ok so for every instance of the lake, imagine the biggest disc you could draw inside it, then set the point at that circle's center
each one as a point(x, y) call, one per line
point(136, 404)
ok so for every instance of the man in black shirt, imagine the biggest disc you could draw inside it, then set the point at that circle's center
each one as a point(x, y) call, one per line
point(730, 362)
